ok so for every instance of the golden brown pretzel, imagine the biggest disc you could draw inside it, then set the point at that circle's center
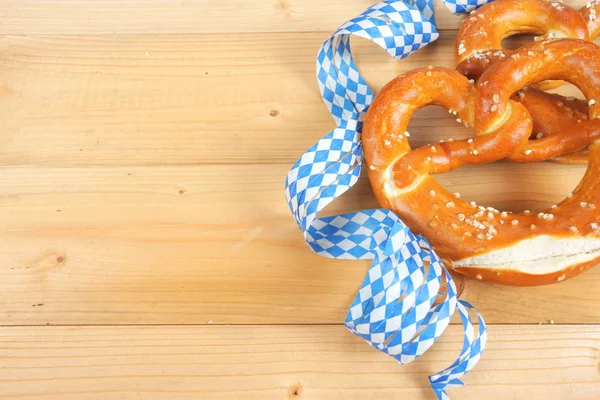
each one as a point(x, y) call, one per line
point(519, 248)
point(589, 15)
point(573, 108)
point(572, 60)
point(553, 113)
point(453, 91)
point(481, 41)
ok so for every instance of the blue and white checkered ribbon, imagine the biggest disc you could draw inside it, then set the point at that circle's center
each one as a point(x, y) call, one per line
point(394, 309)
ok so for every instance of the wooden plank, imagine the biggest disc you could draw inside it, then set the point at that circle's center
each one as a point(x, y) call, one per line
point(177, 99)
point(192, 244)
point(181, 99)
point(217, 362)
point(183, 16)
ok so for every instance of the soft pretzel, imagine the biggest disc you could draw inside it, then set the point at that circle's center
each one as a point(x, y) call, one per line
point(572, 60)
point(589, 14)
point(479, 40)
point(479, 45)
point(509, 248)
point(552, 113)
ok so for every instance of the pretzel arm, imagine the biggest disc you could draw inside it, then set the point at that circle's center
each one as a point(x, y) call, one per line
point(569, 59)
point(420, 88)
point(568, 141)
point(589, 13)
point(485, 28)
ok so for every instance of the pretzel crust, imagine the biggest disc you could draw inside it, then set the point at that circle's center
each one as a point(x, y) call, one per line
point(475, 240)
point(589, 12)
point(486, 27)
point(572, 60)
point(479, 45)
point(514, 277)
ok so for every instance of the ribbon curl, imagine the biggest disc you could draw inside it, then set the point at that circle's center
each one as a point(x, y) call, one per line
point(395, 309)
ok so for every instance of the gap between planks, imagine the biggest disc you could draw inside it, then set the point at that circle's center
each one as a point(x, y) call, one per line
point(321, 324)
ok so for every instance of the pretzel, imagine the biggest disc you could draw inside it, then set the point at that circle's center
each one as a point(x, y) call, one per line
point(479, 45)
point(589, 12)
point(479, 41)
point(553, 113)
point(571, 60)
point(510, 248)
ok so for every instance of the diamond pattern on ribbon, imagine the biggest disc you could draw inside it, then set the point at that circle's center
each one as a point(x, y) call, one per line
point(464, 6)
point(395, 308)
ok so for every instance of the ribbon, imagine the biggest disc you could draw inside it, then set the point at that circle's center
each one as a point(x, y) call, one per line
point(398, 309)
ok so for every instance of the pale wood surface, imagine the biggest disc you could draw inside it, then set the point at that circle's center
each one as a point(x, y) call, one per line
point(286, 362)
point(189, 244)
point(182, 99)
point(177, 99)
point(143, 151)
point(189, 16)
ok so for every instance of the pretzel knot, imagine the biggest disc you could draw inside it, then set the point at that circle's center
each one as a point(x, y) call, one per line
point(510, 248)
point(479, 45)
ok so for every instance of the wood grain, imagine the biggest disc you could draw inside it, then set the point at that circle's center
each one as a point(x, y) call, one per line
point(192, 244)
point(177, 99)
point(143, 149)
point(294, 362)
point(149, 100)
point(108, 17)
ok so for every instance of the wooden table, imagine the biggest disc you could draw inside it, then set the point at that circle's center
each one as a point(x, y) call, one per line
point(146, 250)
